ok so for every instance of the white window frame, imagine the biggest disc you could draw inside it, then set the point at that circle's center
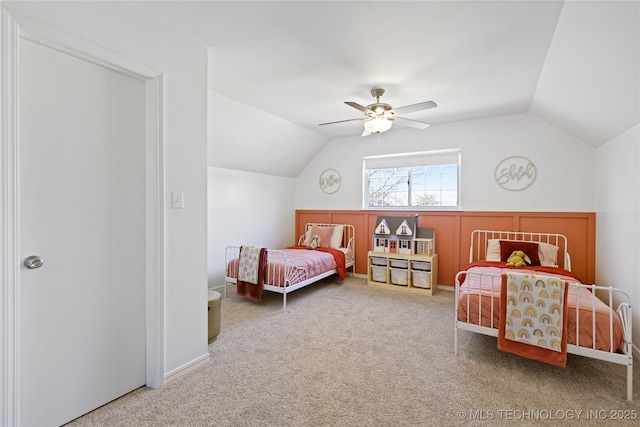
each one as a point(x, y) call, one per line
point(401, 160)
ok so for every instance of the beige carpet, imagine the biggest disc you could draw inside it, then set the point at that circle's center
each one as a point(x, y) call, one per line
point(348, 354)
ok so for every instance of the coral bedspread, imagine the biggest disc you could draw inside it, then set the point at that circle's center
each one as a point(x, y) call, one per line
point(319, 263)
point(476, 288)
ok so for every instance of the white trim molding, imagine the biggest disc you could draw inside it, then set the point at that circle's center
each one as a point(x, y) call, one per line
point(9, 251)
point(154, 119)
point(187, 367)
point(14, 26)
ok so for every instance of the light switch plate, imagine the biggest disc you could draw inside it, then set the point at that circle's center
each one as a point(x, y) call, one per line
point(177, 200)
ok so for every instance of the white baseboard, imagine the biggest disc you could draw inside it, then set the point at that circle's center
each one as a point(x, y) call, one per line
point(188, 367)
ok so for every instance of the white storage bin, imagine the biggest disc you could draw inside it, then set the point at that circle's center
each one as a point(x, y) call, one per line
point(379, 274)
point(400, 276)
point(399, 263)
point(378, 260)
point(421, 265)
point(421, 279)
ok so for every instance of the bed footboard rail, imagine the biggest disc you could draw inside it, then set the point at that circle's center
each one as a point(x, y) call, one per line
point(485, 297)
point(231, 255)
point(618, 303)
point(280, 272)
point(619, 310)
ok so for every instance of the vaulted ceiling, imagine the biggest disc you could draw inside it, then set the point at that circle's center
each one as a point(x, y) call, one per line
point(292, 64)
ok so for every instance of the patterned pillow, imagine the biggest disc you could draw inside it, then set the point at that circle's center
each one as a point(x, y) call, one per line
point(325, 234)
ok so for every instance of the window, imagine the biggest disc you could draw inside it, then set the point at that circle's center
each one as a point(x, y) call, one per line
point(428, 179)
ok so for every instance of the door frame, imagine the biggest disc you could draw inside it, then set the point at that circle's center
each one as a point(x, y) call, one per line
point(13, 27)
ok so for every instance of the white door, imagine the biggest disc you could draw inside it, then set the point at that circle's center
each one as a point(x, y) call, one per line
point(82, 210)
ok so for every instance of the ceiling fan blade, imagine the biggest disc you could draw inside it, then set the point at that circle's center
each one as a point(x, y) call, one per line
point(366, 132)
point(341, 121)
point(414, 123)
point(359, 107)
point(415, 107)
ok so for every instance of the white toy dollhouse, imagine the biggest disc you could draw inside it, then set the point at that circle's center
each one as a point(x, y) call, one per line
point(397, 234)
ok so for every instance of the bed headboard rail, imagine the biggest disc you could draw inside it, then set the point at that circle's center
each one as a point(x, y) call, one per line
point(348, 235)
point(480, 240)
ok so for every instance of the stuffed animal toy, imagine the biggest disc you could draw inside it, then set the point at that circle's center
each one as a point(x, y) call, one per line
point(315, 242)
point(518, 259)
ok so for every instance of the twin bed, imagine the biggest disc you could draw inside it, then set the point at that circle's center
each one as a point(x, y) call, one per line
point(487, 301)
point(286, 270)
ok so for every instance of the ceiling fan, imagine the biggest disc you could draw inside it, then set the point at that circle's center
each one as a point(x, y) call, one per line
point(378, 117)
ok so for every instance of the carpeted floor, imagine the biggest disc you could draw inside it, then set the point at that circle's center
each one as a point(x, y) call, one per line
point(348, 354)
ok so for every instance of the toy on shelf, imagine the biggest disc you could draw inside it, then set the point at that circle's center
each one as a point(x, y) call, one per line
point(400, 234)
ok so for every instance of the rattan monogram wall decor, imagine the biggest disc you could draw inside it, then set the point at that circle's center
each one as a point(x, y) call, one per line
point(515, 173)
point(330, 181)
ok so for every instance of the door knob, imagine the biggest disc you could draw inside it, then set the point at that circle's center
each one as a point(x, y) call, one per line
point(34, 261)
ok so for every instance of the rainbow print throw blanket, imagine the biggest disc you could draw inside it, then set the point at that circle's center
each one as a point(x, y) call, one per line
point(533, 317)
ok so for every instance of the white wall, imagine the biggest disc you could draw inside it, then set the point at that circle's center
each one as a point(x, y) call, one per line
point(618, 218)
point(564, 164)
point(123, 29)
point(242, 137)
point(247, 209)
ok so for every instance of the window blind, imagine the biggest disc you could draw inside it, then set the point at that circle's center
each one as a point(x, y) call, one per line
point(422, 158)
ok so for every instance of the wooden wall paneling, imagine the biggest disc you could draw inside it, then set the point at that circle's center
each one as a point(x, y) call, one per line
point(445, 229)
point(362, 238)
point(371, 225)
point(579, 228)
point(305, 217)
point(453, 233)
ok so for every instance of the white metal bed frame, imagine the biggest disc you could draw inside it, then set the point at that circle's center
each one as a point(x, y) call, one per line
point(479, 241)
point(293, 276)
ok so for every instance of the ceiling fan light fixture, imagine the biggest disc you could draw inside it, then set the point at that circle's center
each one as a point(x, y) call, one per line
point(378, 125)
point(379, 117)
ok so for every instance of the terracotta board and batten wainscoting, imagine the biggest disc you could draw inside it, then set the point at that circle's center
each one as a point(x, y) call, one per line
point(453, 233)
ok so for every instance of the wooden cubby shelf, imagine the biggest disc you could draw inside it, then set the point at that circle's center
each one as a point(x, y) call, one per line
point(415, 272)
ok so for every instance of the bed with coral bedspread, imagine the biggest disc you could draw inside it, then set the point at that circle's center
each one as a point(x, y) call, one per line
point(479, 293)
point(286, 270)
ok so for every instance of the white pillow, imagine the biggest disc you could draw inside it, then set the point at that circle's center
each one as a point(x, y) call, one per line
point(336, 238)
point(548, 254)
point(493, 250)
